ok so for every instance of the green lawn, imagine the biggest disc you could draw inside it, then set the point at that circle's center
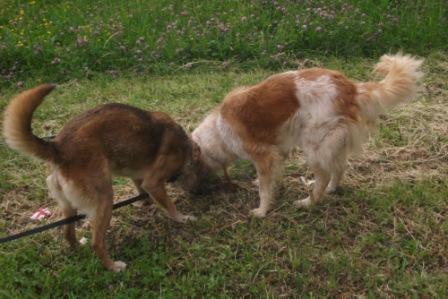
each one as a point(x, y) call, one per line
point(61, 40)
point(384, 235)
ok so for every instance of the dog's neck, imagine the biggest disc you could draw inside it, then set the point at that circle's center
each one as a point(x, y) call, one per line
point(214, 152)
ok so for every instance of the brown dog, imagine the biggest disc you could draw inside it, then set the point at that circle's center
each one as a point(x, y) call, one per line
point(112, 139)
point(320, 110)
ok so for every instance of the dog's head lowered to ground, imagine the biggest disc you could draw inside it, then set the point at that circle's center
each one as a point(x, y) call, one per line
point(195, 174)
point(113, 139)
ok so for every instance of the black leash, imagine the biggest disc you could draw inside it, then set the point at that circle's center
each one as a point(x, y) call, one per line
point(45, 227)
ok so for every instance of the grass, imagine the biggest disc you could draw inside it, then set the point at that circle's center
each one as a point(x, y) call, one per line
point(391, 243)
point(383, 235)
point(61, 40)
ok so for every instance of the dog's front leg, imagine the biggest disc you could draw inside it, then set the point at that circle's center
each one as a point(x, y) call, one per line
point(227, 181)
point(336, 178)
point(158, 193)
point(268, 168)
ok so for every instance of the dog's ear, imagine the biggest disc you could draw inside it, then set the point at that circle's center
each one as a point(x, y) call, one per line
point(196, 151)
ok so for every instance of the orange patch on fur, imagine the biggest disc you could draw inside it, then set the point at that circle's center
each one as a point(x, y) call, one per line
point(346, 100)
point(257, 112)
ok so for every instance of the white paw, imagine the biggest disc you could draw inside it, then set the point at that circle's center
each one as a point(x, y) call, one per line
point(83, 241)
point(304, 203)
point(331, 189)
point(184, 218)
point(118, 266)
point(307, 182)
point(258, 213)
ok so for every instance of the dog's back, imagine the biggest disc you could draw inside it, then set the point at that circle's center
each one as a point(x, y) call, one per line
point(128, 138)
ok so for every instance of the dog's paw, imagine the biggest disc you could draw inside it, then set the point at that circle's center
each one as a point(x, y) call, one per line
point(334, 190)
point(307, 182)
point(255, 183)
point(83, 241)
point(184, 218)
point(331, 189)
point(303, 203)
point(189, 218)
point(118, 266)
point(258, 213)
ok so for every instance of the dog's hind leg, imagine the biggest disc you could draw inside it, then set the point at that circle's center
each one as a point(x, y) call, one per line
point(100, 224)
point(322, 179)
point(327, 160)
point(138, 185)
point(91, 192)
point(337, 174)
point(67, 210)
point(69, 229)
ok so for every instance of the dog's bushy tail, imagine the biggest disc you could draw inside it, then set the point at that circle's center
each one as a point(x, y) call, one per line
point(17, 124)
point(401, 75)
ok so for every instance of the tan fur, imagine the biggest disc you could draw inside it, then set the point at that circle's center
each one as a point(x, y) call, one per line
point(17, 124)
point(320, 110)
point(112, 139)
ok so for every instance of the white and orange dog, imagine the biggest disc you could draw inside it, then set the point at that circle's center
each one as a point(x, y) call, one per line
point(320, 110)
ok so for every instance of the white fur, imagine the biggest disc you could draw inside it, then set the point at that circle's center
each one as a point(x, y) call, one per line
point(325, 136)
point(230, 138)
point(315, 98)
point(315, 117)
point(68, 195)
point(118, 266)
point(209, 137)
